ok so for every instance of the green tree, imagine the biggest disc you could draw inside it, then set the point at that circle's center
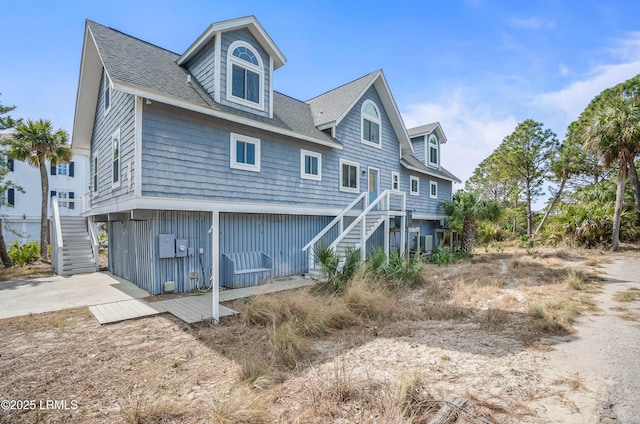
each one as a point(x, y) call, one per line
point(612, 131)
point(526, 156)
point(6, 122)
point(465, 210)
point(569, 161)
point(35, 142)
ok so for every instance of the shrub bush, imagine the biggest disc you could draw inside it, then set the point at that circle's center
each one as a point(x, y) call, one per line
point(22, 255)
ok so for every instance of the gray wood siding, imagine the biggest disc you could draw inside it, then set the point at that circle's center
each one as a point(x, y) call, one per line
point(187, 156)
point(244, 35)
point(120, 115)
point(279, 236)
point(423, 203)
point(203, 68)
point(419, 149)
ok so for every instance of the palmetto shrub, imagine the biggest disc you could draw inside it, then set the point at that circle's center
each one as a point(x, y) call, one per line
point(22, 255)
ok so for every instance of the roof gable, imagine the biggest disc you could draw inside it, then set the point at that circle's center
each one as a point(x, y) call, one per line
point(425, 130)
point(248, 22)
point(330, 108)
point(143, 69)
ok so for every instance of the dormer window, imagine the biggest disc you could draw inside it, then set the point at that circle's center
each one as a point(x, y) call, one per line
point(245, 75)
point(371, 124)
point(433, 151)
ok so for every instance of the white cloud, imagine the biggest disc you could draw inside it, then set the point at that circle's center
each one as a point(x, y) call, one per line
point(473, 130)
point(533, 22)
point(572, 100)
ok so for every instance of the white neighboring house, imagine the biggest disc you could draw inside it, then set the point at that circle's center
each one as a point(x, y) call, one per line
point(20, 212)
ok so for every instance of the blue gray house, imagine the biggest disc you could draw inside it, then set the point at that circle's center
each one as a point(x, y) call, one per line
point(204, 173)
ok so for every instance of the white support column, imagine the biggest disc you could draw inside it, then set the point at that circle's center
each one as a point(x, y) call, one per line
point(403, 231)
point(363, 244)
point(215, 264)
point(386, 236)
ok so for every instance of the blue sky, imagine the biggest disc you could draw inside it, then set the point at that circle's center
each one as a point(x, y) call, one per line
point(477, 66)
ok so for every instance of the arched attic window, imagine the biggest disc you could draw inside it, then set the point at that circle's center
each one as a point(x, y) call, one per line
point(433, 150)
point(371, 124)
point(245, 75)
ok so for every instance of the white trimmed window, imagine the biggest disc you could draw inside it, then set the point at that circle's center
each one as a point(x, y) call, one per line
point(433, 151)
point(245, 75)
point(106, 92)
point(414, 184)
point(395, 181)
point(95, 174)
point(116, 163)
point(349, 180)
point(371, 124)
point(433, 189)
point(310, 165)
point(63, 169)
point(245, 152)
point(62, 196)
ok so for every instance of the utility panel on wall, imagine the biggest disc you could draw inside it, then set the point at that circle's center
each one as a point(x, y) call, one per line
point(167, 246)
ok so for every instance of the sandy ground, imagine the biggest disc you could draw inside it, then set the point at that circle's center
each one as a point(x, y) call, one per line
point(604, 353)
point(159, 370)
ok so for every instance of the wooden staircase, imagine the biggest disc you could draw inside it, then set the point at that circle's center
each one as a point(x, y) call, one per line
point(74, 244)
point(355, 235)
point(77, 253)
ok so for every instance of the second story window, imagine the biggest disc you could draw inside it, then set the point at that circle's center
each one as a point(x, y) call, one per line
point(415, 185)
point(106, 92)
point(95, 174)
point(245, 75)
point(349, 180)
point(63, 169)
point(433, 151)
point(245, 153)
point(115, 150)
point(371, 124)
point(310, 165)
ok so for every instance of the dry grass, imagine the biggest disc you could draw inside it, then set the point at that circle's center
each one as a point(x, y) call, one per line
point(34, 270)
point(239, 405)
point(630, 295)
point(142, 410)
point(555, 316)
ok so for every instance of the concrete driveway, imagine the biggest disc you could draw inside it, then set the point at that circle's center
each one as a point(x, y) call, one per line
point(33, 296)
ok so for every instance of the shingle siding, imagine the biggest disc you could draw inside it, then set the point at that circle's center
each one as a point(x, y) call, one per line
point(121, 115)
point(244, 35)
point(203, 68)
point(187, 156)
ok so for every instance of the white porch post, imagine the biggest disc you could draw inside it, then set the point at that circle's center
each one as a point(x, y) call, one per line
point(215, 264)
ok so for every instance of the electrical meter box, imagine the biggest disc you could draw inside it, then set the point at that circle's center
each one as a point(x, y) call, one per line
point(181, 248)
point(167, 245)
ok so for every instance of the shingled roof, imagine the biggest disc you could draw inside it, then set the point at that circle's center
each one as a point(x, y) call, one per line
point(141, 68)
point(410, 162)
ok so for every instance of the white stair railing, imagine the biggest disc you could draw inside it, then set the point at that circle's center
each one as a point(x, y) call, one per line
point(310, 247)
point(380, 206)
point(95, 248)
point(56, 245)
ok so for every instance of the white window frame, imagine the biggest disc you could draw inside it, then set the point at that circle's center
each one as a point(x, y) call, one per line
point(232, 60)
point(233, 140)
point(357, 166)
point(433, 139)
point(118, 172)
point(62, 194)
point(433, 184)
point(94, 174)
point(62, 169)
point(303, 156)
point(377, 120)
point(107, 93)
point(395, 180)
point(411, 180)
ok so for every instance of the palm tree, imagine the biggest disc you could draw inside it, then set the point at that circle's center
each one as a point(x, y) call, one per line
point(613, 132)
point(464, 210)
point(35, 142)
